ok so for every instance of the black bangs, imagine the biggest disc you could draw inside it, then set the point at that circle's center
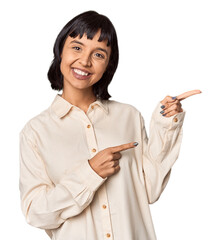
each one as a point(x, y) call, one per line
point(90, 26)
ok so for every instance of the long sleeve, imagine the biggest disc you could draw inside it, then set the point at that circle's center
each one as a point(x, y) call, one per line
point(44, 204)
point(160, 150)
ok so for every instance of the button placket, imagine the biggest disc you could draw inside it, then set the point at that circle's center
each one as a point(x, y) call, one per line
point(105, 212)
point(102, 193)
point(91, 140)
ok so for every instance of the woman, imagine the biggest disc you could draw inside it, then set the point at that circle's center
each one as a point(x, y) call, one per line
point(82, 175)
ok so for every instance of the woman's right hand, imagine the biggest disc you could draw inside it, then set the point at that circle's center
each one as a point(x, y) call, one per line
point(106, 162)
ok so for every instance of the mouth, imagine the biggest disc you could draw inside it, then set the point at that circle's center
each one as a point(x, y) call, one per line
point(80, 74)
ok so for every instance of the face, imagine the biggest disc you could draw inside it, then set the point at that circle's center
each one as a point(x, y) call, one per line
point(83, 61)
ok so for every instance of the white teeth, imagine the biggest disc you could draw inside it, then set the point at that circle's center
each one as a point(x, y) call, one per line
point(80, 72)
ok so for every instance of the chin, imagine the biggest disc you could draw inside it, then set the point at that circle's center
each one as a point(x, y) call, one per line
point(80, 86)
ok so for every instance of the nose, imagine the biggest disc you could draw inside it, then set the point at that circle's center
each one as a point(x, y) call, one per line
point(85, 60)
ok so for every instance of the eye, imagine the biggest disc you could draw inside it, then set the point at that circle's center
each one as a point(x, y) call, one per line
point(100, 55)
point(77, 48)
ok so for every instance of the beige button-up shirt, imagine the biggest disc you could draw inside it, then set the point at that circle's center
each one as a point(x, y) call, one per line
point(63, 195)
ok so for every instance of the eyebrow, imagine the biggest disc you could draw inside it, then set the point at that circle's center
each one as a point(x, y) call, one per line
point(101, 49)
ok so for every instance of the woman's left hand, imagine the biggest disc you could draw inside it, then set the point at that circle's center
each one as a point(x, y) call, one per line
point(172, 105)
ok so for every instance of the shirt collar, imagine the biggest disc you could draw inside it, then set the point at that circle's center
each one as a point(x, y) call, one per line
point(61, 107)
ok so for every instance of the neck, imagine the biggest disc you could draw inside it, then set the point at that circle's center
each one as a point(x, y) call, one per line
point(81, 98)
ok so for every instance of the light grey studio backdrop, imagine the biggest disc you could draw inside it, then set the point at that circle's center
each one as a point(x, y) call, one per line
point(166, 48)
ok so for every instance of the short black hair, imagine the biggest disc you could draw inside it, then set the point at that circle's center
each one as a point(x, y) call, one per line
point(88, 22)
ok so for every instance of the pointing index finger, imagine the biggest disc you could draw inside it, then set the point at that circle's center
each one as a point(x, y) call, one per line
point(123, 147)
point(187, 94)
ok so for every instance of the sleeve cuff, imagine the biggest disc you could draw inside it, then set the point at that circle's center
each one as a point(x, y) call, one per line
point(168, 122)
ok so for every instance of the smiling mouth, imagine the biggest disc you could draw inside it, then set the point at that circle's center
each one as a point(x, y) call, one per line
point(82, 73)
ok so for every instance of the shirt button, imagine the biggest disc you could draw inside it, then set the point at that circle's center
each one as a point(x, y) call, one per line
point(92, 107)
point(108, 235)
point(104, 206)
point(94, 150)
point(88, 126)
point(175, 119)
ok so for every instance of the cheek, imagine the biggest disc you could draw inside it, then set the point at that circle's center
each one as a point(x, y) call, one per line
point(101, 68)
point(62, 66)
point(65, 63)
point(68, 58)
